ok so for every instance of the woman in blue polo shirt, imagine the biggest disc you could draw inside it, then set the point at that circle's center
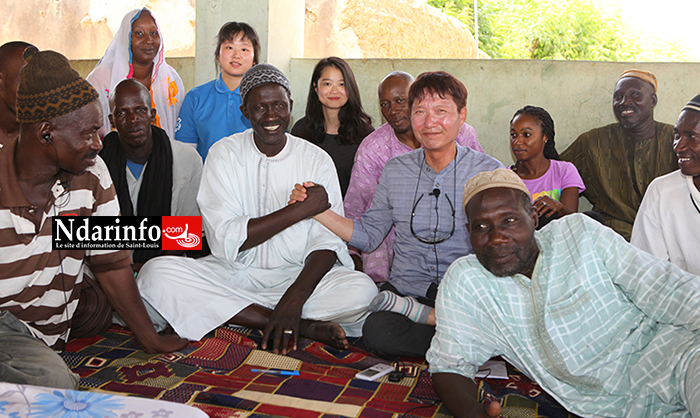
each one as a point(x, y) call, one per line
point(212, 111)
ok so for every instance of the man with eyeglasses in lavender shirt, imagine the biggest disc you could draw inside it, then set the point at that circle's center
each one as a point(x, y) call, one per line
point(419, 193)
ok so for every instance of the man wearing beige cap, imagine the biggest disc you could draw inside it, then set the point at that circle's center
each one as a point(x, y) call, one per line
point(618, 161)
point(52, 169)
point(607, 329)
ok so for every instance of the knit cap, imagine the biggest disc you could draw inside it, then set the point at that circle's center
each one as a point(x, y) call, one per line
point(693, 104)
point(49, 87)
point(261, 74)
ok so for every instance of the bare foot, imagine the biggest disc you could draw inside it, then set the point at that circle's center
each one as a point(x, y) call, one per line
point(326, 332)
point(167, 331)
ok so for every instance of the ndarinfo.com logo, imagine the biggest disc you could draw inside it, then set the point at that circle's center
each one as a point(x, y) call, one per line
point(127, 232)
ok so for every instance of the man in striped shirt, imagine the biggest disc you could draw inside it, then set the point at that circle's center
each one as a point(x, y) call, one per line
point(52, 169)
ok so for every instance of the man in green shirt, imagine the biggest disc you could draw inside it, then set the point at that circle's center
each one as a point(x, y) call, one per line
point(617, 162)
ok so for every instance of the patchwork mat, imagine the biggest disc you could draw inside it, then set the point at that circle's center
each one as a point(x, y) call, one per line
point(215, 375)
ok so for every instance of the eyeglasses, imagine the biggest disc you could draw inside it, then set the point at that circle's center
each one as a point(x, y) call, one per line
point(434, 239)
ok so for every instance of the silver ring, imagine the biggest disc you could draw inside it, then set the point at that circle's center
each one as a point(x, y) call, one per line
point(288, 331)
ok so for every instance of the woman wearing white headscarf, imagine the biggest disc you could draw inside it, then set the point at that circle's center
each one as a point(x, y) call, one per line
point(137, 52)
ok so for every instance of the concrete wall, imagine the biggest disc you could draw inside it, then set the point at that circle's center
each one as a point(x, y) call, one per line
point(577, 94)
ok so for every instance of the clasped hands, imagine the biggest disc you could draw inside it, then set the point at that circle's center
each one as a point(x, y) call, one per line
point(311, 196)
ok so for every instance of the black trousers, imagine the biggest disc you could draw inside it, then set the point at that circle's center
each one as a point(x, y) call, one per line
point(390, 335)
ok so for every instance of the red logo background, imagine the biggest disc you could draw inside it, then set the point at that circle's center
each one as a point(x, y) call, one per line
point(182, 232)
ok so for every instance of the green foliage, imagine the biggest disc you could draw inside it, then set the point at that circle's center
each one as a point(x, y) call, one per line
point(557, 29)
point(461, 9)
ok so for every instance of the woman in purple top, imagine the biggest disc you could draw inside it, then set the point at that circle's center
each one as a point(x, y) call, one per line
point(553, 184)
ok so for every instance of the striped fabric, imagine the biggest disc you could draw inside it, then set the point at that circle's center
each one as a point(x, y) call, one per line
point(39, 286)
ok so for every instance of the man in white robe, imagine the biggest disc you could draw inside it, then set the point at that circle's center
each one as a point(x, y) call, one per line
point(272, 267)
point(668, 220)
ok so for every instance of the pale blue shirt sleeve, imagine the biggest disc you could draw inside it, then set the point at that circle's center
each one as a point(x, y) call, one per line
point(662, 290)
point(465, 338)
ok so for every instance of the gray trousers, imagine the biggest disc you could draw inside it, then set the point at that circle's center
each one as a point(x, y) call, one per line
point(25, 359)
